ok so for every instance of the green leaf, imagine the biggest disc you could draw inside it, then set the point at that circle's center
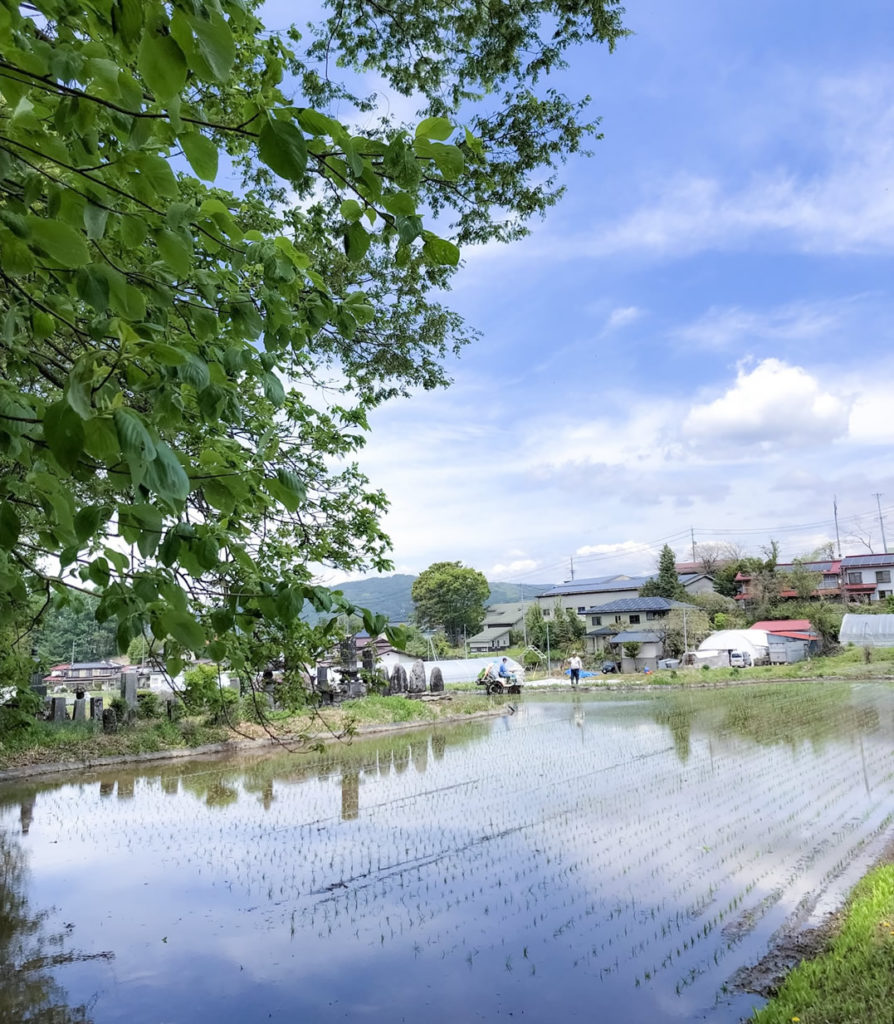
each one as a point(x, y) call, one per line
point(59, 241)
point(175, 251)
point(133, 437)
point(63, 430)
point(95, 218)
point(357, 241)
point(165, 476)
point(351, 210)
point(184, 629)
point(273, 389)
point(215, 42)
point(399, 203)
point(434, 128)
point(283, 149)
point(201, 153)
point(161, 64)
point(10, 527)
point(218, 495)
point(87, 521)
point(440, 251)
point(449, 160)
point(315, 123)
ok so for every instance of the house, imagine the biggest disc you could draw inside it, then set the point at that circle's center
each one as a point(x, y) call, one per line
point(606, 620)
point(89, 675)
point(828, 580)
point(651, 648)
point(581, 595)
point(499, 619)
point(867, 577)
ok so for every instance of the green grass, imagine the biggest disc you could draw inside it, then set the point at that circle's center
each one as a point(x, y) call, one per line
point(853, 982)
point(46, 743)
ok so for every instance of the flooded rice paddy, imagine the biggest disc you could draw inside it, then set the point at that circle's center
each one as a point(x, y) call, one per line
point(581, 859)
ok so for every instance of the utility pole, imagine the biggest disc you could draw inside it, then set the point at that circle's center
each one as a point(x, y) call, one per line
point(881, 521)
point(572, 567)
point(692, 534)
point(548, 668)
point(835, 512)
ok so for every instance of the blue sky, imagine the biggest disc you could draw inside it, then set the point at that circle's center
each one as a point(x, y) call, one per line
point(699, 336)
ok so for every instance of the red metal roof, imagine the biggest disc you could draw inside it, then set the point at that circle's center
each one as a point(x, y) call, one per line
point(784, 625)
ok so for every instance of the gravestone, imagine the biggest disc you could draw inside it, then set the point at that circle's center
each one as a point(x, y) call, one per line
point(398, 683)
point(79, 714)
point(436, 680)
point(96, 709)
point(109, 720)
point(40, 689)
point(416, 680)
point(129, 688)
point(368, 658)
point(59, 712)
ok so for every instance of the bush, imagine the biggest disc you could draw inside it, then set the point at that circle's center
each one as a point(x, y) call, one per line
point(149, 705)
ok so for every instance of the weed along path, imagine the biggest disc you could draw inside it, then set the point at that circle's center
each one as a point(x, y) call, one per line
point(589, 857)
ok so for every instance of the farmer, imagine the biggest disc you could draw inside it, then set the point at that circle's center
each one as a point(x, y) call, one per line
point(574, 667)
point(505, 672)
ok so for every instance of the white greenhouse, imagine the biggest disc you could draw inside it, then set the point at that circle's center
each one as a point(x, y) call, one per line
point(867, 630)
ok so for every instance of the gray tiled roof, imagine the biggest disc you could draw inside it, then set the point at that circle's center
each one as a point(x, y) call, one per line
point(638, 604)
point(636, 636)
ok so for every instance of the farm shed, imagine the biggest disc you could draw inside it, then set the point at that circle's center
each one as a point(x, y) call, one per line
point(749, 641)
point(867, 630)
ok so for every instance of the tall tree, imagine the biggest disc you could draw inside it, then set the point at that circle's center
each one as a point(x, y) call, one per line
point(667, 582)
point(153, 450)
point(451, 597)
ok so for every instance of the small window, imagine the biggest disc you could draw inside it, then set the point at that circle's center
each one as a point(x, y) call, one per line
point(634, 620)
point(596, 620)
point(883, 576)
point(546, 613)
point(652, 615)
point(617, 618)
point(855, 577)
point(581, 610)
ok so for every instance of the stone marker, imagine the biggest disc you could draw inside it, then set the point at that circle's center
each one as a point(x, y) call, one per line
point(60, 714)
point(80, 710)
point(416, 680)
point(398, 682)
point(109, 720)
point(96, 708)
point(129, 688)
point(436, 680)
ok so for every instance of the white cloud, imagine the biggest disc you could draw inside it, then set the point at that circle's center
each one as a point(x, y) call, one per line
point(518, 567)
point(725, 327)
point(621, 317)
point(773, 406)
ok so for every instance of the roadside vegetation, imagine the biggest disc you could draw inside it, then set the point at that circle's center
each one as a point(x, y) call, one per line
point(853, 981)
point(153, 728)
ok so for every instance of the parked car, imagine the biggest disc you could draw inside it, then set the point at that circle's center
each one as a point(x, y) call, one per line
point(669, 663)
point(609, 666)
point(740, 659)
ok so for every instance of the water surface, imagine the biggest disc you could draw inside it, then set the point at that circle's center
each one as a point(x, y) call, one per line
point(581, 859)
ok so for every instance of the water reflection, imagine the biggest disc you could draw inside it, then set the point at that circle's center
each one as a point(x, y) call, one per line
point(29, 992)
point(585, 858)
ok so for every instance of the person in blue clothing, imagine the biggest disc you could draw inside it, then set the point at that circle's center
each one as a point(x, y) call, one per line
point(504, 672)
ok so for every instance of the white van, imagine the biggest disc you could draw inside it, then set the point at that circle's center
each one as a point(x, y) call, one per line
point(740, 659)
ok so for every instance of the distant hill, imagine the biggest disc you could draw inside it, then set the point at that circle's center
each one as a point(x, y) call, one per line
point(390, 595)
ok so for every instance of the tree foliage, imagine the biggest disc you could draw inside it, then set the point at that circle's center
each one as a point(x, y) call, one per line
point(186, 370)
point(667, 582)
point(451, 597)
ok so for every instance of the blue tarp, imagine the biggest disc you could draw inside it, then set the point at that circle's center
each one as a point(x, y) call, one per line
point(583, 675)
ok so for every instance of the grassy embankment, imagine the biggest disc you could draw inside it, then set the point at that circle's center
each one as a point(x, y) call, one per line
point(48, 743)
point(853, 981)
